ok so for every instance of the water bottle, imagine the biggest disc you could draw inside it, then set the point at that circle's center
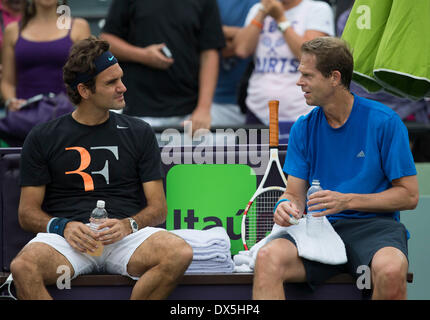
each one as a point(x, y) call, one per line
point(97, 217)
point(314, 224)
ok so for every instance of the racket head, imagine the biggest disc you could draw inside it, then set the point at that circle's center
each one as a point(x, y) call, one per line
point(257, 220)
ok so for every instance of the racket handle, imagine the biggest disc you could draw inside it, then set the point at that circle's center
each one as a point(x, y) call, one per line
point(273, 123)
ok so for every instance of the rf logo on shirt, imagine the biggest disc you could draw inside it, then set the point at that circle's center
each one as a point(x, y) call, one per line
point(86, 161)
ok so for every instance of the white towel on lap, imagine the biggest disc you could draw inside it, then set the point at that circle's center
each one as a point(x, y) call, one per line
point(325, 247)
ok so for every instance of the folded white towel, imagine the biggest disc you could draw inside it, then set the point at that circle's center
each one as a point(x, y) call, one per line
point(325, 246)
point(211, 266)
point(211, 250)
point(215, 237)
point(214, 256)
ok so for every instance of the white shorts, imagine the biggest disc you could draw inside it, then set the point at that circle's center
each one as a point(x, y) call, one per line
point(113, 260)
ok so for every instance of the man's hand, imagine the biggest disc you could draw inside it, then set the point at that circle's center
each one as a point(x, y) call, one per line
point(330, 201)
point(80, 236)
point(200, 119)
point(153, 57)
point(116, 230)
point(273, 8)
point(284, 212)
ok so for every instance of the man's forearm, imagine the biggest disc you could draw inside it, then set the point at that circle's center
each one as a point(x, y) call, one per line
point(122, 49)
point(33, 220)
point(246, 40)
point(208, 77)
point(393, 199)
point(151, 216)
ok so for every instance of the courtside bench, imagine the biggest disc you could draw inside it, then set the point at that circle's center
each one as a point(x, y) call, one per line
point(203, 286)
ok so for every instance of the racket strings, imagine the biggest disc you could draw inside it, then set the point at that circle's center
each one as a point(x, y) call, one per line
point(259, 222)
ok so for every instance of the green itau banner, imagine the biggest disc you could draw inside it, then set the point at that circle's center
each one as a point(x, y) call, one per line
point(209, 195)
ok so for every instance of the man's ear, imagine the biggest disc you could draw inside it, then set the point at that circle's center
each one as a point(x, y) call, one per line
point(84, 91)
point(336, 78)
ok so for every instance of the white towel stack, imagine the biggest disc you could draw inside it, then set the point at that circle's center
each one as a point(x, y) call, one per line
point(211, 250)
point(325, 247)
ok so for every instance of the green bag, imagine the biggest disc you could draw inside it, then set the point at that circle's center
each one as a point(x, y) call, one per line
point(402, 64)
point(390, 44)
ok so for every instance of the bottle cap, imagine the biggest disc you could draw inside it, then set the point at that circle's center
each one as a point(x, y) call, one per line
point(100, 204)
point(316, 182)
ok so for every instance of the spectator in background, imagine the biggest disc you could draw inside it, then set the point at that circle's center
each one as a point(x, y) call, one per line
point(164, 90)
point(225, 110)
point(274, 32)
point(35, 51)
point(10, 11)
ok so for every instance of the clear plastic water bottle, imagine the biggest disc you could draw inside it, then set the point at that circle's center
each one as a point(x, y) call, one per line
point(97, 217)
point(314, 224)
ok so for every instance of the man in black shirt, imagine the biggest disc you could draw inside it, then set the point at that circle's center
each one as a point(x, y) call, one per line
point(94, 154)
point(166, 90)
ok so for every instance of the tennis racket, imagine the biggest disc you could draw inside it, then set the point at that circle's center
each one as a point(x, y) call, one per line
point(7, 284)
point(257, 220)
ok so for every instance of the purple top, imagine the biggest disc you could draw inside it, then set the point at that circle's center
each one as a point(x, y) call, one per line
point(39, 66)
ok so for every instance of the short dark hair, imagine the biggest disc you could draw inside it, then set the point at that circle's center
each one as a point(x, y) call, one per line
point(331, 54)
point(81, 60)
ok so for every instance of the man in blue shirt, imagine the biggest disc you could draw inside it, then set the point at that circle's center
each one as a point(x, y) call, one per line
point(359, 151)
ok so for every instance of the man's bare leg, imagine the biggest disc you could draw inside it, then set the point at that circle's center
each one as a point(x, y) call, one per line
point(276, 262)
point(389, 270)
point(160, 261)
point(35, 267)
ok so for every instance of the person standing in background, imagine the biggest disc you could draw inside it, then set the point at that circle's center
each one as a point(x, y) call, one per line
point(169, 52)
point(274, 32)
point(225, 110)
point(10, 11)
point(35, 51)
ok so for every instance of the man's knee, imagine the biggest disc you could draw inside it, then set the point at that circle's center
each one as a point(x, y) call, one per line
point(23, 267)
point(177, 255)
point(389, 272)
point(276, 258)
point(180, 252)
point(267, 259)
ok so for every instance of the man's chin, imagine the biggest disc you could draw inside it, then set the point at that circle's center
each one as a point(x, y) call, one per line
point(309, 102)
point(118, 106)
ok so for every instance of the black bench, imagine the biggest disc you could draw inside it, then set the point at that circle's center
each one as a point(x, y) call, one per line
point(102, 286)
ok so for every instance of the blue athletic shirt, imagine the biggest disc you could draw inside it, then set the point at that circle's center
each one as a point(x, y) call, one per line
point(362, 156)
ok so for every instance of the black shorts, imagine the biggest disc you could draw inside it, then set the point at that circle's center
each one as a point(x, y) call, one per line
point(362, 239)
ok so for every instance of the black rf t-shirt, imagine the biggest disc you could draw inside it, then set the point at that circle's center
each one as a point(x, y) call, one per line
point(81, 164)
